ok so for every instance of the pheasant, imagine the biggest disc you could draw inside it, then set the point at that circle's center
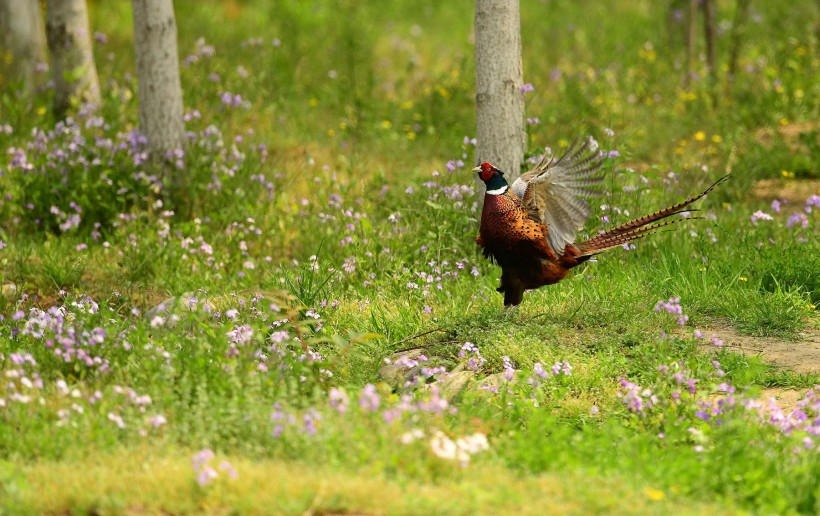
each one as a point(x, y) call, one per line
point(529, 229)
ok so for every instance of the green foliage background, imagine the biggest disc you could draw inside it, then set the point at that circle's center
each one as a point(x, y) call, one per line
point(336, 198)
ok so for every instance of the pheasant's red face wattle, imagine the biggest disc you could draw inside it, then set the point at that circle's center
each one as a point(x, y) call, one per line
point(487, 171)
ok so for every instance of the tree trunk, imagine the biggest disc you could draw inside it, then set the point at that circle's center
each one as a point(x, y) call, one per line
point(690, 42)
point(500, 132)
point(72, 60)
point(736, 37)
point(160, 91)
point(22, 42)
point(709, 36)
point(676, 23)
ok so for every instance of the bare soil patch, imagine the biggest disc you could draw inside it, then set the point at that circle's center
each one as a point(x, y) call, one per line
point(790, 134)
point(801, 355)
point(786, 398)
point(795, 191)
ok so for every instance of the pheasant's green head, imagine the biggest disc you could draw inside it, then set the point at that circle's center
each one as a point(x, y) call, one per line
point(492, 177)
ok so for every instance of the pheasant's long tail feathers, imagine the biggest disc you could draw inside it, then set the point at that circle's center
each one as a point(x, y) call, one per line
point(639, 227)
point(590, 248)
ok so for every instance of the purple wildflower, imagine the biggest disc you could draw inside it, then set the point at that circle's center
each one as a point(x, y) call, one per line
point(797, 218)
point(369, 400)
point(338, 400)
point(509, 370)
point(475, 361)
point(229, 469)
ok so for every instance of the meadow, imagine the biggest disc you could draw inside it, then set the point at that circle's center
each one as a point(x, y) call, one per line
point(311, 327)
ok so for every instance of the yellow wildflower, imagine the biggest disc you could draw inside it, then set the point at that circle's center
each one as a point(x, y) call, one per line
point(700, 136)
point(687, 96)
point(442, 91)
point(653, 494)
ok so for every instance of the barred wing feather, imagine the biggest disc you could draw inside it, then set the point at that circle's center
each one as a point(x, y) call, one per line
point(555, 191)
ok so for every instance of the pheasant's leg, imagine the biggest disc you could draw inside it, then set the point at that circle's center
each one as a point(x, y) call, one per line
point(512, 288)
point(513, 297)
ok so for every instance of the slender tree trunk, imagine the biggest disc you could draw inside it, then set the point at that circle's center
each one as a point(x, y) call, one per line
point(160, 91)
point(676, 23)
point(738, 30)
point(501, 136)
point(709, 36)
point(690, 42)
point(72, 59)
point(22, 41)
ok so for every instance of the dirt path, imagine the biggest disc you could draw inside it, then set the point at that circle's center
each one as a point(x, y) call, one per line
point(801, 356)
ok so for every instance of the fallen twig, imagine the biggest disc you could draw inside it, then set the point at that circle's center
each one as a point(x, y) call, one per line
point(414, 337)
point(705, 344)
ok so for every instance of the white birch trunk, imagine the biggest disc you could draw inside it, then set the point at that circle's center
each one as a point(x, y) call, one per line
point(22, 41)
point(160, 90)
point(72, 59)
point(500, 132)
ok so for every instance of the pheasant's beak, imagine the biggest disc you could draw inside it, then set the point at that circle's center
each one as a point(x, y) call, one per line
point(477, 170)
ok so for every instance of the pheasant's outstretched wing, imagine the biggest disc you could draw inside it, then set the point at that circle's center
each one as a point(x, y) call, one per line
point(555, 190)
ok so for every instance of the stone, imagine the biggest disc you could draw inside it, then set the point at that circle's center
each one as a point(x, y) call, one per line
point(396, 373)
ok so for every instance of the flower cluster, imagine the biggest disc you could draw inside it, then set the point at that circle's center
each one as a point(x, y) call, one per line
point(205, 472)
point(460, 449)
point(472, 354)
point(673, 306)
point(637, 399)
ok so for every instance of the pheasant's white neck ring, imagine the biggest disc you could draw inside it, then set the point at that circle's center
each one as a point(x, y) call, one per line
point(499, 191)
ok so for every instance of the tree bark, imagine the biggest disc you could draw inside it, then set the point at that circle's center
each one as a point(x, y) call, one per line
point(72, 59)
point(676, 23)
point(709, 36)
point(736, 37)
point(500, 131)
point(22, 42)
point(160, 90)
point(690, 42)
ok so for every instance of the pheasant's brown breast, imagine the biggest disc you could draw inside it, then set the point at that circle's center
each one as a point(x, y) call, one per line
point(505, 226)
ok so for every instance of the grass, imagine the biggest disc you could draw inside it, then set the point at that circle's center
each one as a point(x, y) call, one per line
point(329, 226)
point(288, 488)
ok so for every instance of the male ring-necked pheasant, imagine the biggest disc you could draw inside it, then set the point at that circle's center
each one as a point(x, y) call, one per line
point(529, 229)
